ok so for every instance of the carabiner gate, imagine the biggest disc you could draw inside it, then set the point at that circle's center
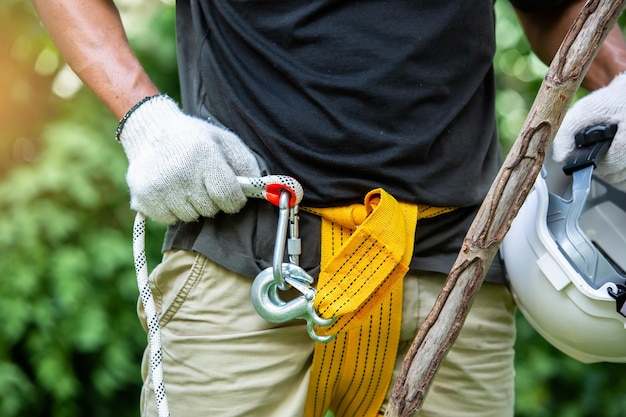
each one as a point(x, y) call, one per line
point(281, 238)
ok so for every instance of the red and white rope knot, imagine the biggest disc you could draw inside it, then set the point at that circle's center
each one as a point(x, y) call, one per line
point(270, 187)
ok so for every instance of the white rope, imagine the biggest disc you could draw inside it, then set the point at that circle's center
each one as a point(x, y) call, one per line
point(154, 331)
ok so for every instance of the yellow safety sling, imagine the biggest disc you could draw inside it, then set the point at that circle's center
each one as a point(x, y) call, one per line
point(366, 250)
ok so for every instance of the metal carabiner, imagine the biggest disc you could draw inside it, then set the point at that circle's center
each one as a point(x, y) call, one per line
point(288, 220)
point(286, 193)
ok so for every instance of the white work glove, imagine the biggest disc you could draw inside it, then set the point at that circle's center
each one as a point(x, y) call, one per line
point(605, 105)
point(181, 167)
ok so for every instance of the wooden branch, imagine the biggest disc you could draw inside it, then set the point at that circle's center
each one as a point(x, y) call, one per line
point(503, 201)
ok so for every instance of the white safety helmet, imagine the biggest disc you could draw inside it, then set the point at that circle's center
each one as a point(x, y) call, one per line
point(565, 257)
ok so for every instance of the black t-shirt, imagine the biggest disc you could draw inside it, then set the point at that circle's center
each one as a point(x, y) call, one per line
point(345, 96)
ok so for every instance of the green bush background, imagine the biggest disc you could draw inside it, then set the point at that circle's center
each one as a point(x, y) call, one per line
point(70, 343)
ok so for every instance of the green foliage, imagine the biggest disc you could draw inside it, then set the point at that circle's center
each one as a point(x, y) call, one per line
point(70, 339)
point(518, 74)
point(550, 384)
point(27, 58)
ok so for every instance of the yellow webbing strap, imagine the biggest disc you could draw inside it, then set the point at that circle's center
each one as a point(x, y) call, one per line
point(366, 250)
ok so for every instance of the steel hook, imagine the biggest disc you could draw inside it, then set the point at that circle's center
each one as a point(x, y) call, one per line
point(271, 307)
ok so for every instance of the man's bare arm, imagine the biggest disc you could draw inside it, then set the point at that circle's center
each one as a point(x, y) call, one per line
point(91, 38)
point(545, 31)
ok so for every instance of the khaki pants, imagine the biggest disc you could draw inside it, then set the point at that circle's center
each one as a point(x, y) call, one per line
point(222, 360)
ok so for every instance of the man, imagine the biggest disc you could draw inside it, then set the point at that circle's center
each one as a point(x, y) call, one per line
point(346, 97)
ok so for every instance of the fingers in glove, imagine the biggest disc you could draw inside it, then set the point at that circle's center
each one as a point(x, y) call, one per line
point(564, 142)
point(182, 167)
point(605, 105)
point(612, 166)
point(238, 155)
point(224, 190)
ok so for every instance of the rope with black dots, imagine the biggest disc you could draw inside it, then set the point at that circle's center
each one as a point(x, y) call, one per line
point(152, 318)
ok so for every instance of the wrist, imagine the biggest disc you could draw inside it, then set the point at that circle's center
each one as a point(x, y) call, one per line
point(150, 124)
point(132, 110)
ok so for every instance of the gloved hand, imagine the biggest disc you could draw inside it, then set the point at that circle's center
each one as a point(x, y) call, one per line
point(181, 167)
point(605, 105)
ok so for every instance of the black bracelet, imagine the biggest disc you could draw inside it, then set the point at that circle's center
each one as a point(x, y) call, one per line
point(118, 131)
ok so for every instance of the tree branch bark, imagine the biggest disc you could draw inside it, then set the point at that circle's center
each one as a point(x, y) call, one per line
point(501, 205)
